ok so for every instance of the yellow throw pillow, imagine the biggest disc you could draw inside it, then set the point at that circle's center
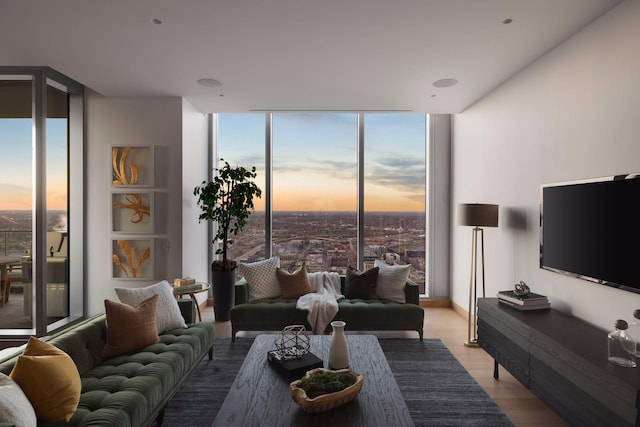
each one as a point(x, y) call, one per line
point(49, 379)
point(294, 285)
point(130, 328)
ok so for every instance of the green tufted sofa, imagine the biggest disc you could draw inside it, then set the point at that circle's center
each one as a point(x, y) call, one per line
point(130, 390)
point(274, 314)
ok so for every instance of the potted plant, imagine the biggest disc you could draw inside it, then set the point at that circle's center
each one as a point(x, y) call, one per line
point(227, 200)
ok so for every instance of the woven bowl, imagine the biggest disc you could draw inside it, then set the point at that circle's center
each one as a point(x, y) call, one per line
point(325, 402)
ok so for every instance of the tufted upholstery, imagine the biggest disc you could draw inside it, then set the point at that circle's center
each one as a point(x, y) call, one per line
point(273, 314)
point(128, 390)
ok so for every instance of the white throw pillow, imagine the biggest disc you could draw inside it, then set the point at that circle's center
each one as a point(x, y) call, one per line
point(262, 281)
point(391, 281)
point(15, 408)
point(168, 311)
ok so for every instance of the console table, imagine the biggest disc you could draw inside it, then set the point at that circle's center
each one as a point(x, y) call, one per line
point(562, 360)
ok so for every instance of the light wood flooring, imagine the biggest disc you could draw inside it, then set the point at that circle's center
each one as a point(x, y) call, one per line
point(520, 405)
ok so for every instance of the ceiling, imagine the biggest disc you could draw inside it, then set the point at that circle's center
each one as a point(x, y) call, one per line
point(291, 54)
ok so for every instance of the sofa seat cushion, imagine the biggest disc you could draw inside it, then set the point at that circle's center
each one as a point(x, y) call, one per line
point(378, 315)
point(271, 311)
point(123, 390)
point(359, 314)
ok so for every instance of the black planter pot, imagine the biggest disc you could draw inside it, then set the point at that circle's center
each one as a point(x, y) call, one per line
point(223, 294)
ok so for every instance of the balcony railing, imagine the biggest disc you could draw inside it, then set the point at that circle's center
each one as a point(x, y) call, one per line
point(15, 242)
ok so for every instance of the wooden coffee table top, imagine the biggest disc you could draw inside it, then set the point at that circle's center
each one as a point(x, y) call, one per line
point(259, 396)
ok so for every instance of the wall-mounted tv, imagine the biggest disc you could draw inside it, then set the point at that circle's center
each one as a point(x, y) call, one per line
point(591, 229)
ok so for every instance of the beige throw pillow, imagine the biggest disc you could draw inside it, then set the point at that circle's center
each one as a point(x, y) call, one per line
point(391, 281)
point(15, 408)
point(168, 312)
point(262, 281)
point(294, 285)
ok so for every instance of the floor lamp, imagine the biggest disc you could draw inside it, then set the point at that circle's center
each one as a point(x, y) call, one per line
point(476, 215)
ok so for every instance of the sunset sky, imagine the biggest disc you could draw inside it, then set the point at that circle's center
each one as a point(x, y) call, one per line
point(315, 159)
point(16, 180)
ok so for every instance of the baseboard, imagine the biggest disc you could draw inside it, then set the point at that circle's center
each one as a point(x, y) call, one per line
point(437, 303)
point(460, 310)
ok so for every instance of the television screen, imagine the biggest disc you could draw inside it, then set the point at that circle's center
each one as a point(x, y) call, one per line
point(591, 229)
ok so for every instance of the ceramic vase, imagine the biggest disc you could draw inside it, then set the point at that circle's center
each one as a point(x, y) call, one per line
point(339, 350)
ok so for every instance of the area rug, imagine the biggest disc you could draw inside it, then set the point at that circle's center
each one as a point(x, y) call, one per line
point(436, 387)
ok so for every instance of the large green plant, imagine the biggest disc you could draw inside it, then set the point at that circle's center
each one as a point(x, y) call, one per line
point(227, 201)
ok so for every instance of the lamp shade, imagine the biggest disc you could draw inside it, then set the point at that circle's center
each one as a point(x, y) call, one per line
point(478, 214)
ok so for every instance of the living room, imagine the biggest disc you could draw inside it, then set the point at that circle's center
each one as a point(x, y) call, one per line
point(567, 114)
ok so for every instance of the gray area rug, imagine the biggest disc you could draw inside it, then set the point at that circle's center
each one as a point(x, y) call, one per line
point(436, 387)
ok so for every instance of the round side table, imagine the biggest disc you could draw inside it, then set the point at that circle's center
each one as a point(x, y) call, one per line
point(190, 290)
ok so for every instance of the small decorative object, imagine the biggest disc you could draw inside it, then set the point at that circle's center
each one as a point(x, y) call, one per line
point(634, 331)
point(339, 350)
point(522, 289)
point(621, 346)
point(322, 389)
point(292, 357)
point(293, 342)
point(132, 166)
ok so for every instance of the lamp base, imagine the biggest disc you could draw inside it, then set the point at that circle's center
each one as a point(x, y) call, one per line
point(472, 343)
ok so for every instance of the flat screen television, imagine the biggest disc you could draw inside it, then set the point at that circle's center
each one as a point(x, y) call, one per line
point(591, 229)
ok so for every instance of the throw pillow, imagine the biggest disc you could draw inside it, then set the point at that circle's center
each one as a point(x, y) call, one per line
point(50, 380)
point(262, 281)
point(296, 284)
point(360, 285)
point(168, 312)
point(15, 408)
point(130, 328)
point(391, 281)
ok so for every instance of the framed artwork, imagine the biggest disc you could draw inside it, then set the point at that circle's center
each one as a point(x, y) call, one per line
point(132, 212)
point(132, 166)
point(132, 258)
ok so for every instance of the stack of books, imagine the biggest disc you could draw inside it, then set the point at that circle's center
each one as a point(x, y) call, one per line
point(530, 301)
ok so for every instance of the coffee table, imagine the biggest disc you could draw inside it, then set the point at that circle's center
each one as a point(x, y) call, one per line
point(259, 396)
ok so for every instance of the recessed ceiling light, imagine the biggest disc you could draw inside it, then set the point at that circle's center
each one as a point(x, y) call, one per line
point(507, 21)
point(445, 83)
point(209, 83)
point(156, 21)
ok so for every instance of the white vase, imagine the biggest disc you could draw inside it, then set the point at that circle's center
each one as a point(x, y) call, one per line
point(339, 350)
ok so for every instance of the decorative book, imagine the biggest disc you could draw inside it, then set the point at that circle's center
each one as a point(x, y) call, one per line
point(293, 369)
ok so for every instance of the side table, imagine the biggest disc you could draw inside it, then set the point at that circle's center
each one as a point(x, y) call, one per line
point(192, 290)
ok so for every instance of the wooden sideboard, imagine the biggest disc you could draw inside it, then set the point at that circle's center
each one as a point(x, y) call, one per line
point(563, 361)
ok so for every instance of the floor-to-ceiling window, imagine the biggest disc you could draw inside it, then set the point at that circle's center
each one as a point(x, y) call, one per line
point(41, 218)
point(317, 171)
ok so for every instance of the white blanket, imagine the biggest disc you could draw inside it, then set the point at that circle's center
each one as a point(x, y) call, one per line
point(323, 303)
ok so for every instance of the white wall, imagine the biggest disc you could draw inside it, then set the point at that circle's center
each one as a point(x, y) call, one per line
point(573, 114)
point(195, 166)
point(131, 122)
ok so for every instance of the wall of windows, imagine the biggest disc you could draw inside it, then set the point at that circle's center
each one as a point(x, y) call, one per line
point(339, 189)
point(41, 143)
